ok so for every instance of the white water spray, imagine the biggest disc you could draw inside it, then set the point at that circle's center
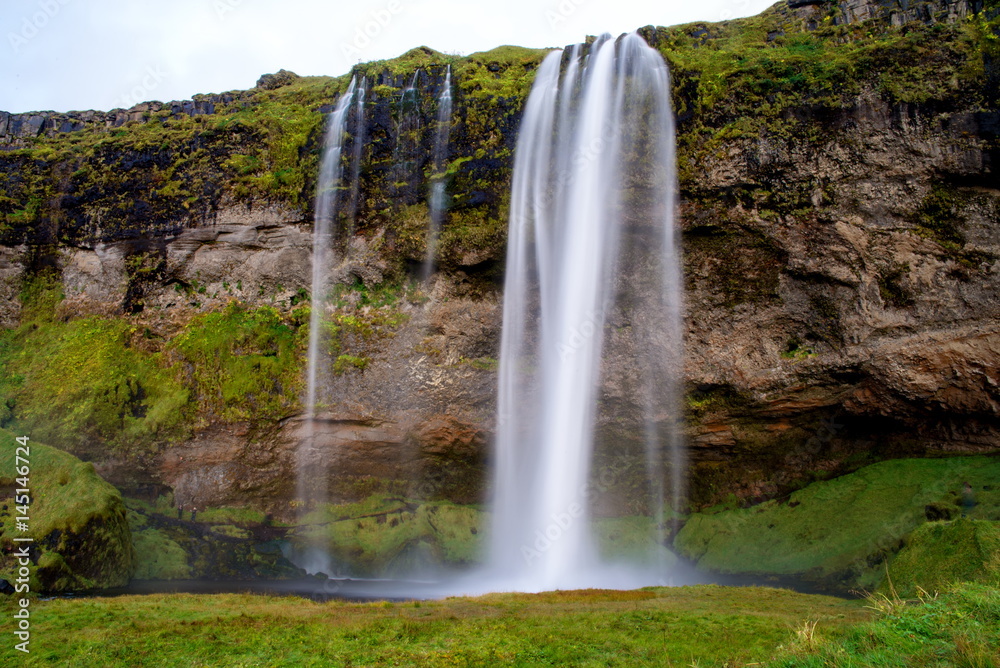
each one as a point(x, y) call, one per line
point(592, 272)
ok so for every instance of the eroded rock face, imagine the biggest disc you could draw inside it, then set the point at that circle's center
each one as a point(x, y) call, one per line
point(11, 270)
point(842, 305)
point(849, 313)
point(254, 254)
point(895, 12)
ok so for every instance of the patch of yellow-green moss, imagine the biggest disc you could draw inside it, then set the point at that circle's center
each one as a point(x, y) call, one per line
point(159, 557)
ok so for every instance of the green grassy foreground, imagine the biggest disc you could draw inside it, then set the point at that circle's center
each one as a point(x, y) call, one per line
point(686, 626)
point(704, 626)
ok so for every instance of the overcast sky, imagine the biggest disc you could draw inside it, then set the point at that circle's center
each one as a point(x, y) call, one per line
point(99, 54)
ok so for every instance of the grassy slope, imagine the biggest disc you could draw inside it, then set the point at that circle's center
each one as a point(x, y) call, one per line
point(840, 529)
point(655, 627)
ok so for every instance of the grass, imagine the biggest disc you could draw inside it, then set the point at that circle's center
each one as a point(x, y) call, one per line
point(840, 531)
point(959, 628)
point(652, 627)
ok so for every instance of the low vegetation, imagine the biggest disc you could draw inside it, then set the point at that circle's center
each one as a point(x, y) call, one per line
point(960, 627)
point(117, 381)
point(705, 626)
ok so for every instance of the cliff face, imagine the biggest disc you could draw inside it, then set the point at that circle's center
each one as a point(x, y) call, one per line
point(894, 12)
point(841, 231)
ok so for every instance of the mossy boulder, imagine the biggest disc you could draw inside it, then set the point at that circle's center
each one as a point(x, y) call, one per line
point(224, 543)
point(160, 557)
point(839, 533)
point(77, 520)
point(391, 535)
point(277, 80)
point(939, 554)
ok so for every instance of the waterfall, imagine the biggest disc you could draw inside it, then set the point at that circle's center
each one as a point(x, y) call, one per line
point(437, 190)
point(312, 472)
point(592, 273)
point(407, 151)
point(358, 139)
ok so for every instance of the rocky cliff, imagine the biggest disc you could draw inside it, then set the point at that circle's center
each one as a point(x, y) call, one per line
point(841, 243)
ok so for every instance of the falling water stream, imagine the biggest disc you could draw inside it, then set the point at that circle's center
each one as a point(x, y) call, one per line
point(592, 273)
point(358, 141)
point(312, 478)
point(437, 191)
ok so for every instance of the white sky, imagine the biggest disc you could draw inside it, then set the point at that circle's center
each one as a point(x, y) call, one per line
point(100, 54)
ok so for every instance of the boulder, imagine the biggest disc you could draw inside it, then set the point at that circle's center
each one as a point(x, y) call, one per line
point(81, 537)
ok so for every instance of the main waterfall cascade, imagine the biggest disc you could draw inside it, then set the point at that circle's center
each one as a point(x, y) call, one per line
point(592, 275)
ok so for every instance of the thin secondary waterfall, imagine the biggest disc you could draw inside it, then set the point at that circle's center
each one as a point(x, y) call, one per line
point(358, 139)
point(312, 478)
point(407, 151)
point(592, 272)
point(324, 232)
point(437, 190)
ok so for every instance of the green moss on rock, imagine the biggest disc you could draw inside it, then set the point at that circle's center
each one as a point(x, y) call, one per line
point(243, 363)
point(159, 557)
point(839, 532)
point(77, 520)
point(65, 382)
point(224, 543)
point(111, 380)
point(938, 555)
point(386, 535)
